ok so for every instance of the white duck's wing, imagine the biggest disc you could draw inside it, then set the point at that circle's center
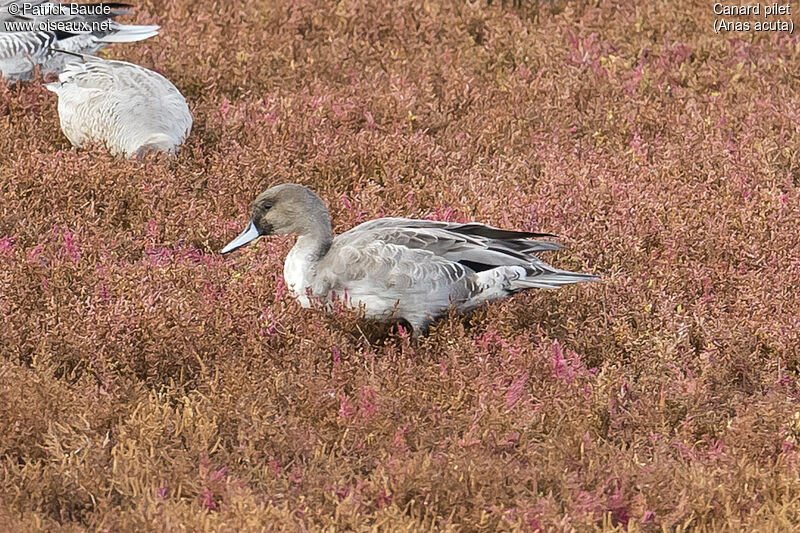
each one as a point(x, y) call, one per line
point(91, 73)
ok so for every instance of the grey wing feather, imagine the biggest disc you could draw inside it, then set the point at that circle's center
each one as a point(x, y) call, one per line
point(386, 266)
point(476, 246)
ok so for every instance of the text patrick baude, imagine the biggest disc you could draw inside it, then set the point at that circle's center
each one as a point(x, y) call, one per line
point(48, 9)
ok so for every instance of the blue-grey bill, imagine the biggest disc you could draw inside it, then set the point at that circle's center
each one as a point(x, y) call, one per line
point(249, 234)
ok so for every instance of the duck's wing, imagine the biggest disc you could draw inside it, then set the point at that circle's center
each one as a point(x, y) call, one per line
point(385, 267)
point(422, 267)
point(476, 246)
point(392, 280)
point(27, 40)
point(21, 51)
point(126, 80)
point(91, 72)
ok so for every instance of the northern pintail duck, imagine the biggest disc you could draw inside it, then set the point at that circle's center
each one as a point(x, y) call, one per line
point(31, 30)
point(399, 268)
point(131, 109)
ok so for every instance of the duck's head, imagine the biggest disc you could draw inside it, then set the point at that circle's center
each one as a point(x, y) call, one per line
point(284, 209)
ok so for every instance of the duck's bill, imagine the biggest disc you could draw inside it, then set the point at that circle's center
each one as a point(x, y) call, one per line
point(249, 234)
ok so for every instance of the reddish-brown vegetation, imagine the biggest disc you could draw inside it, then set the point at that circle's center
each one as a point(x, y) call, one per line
point(149, 383)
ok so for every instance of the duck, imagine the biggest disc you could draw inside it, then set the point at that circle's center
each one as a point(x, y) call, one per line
point(131, 109)
point(31, 30)
point(399, 269)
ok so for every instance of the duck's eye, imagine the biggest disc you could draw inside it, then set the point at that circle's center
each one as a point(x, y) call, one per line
point(266, 207)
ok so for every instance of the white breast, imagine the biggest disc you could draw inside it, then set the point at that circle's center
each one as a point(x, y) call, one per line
point(298, 270)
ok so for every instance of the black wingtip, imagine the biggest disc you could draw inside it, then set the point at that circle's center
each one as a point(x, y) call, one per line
point(481, 230)
point(61, 50)
point(61, 34)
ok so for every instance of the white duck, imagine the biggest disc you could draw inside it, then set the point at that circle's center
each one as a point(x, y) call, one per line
point(131, 109)
point(399, 268)
point(30, 30)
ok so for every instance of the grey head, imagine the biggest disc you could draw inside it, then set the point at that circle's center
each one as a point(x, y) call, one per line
point(284, 209)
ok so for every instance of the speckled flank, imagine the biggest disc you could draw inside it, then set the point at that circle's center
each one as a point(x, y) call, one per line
point(21, 50)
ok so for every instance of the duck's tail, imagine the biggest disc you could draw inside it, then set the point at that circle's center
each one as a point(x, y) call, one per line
point(500, 282)
point(543, 276)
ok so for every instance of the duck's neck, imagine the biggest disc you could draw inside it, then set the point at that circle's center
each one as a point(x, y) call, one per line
point(314, 245)
point(300, 267)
